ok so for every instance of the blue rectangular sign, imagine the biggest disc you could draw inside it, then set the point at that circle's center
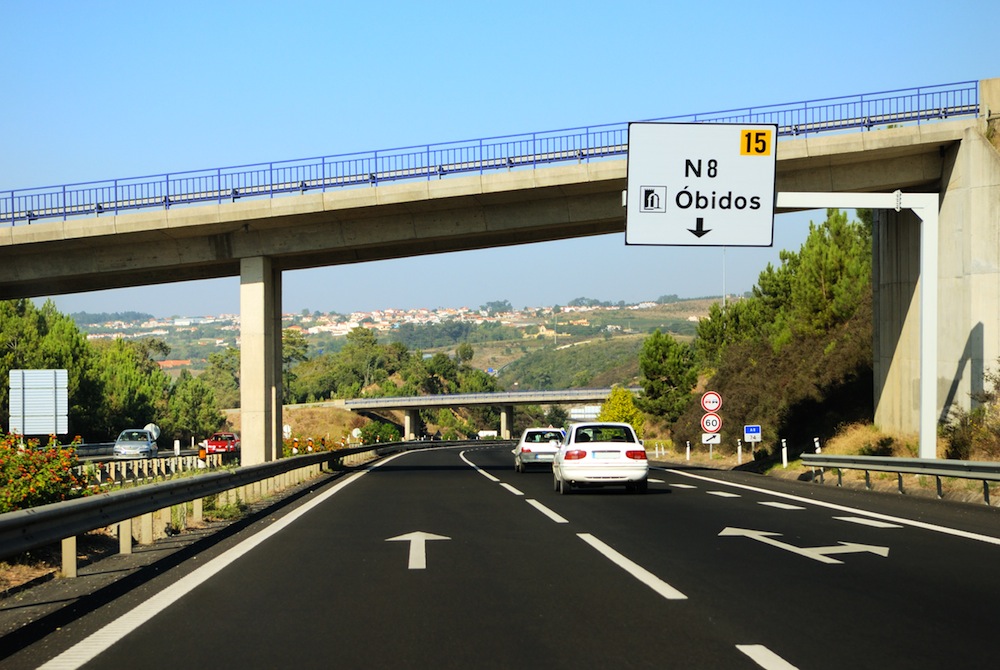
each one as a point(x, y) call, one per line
point(751, 433)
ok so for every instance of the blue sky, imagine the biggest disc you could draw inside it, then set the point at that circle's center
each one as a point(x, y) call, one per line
point(96, 90)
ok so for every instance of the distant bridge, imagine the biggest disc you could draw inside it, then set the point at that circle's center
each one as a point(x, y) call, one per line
point(505, 400)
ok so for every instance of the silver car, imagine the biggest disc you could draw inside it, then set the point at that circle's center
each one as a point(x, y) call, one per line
point(135, 443)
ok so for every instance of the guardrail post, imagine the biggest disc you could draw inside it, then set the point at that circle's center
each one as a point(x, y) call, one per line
point(125, 536)
point(868, 480)
point(899, 480)
point(146, 528)
point(840, 478)
point(986, 492)
point(940, 493)
point(69, 557)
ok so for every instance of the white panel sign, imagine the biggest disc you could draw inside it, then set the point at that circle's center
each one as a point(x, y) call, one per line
point(701, 184)
point(39, 402)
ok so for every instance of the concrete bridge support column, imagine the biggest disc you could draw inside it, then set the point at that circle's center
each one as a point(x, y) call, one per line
point(260, 361)
point(896, 310)
point(411, 423)
point(506, 421)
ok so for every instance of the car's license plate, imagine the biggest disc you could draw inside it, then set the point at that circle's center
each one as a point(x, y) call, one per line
point(543, 457)
point(606, 454)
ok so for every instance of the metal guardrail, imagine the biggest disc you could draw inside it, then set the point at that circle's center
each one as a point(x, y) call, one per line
point(35, 527)
point(931, 467)
point(435, 161)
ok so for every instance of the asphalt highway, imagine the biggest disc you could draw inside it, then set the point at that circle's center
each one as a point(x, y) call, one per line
point(448, 558)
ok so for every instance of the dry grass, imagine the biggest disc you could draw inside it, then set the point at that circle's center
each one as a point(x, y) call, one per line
point(331, 423)
point(46, 562)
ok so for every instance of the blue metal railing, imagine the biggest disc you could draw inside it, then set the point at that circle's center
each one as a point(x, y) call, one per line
point(435, 161)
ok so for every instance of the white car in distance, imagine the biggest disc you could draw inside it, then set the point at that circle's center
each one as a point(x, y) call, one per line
point(600, 454)
point(537, 446)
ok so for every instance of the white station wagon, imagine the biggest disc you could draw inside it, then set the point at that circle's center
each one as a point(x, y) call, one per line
point(600, 454)
point(537, 446)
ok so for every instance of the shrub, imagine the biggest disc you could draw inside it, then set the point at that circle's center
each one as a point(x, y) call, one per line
point(35, 475)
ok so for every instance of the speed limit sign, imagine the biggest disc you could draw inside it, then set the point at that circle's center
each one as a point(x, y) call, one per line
point(711, 423)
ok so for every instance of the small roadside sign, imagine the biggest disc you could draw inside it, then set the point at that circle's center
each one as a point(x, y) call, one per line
point(711, 438)
point(711, 401)
point(751, 433)
point(711, 423)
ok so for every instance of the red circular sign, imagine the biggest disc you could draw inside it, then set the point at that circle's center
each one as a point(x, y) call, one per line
point(711, 423)
point(711, 401)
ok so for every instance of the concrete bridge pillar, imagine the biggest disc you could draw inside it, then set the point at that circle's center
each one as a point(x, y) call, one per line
point(506, 421)
point(896, 309)
point(260, 361)
point(411, 423)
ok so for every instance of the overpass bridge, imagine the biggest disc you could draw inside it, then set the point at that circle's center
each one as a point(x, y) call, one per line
point(257, 221)
point(506, 401)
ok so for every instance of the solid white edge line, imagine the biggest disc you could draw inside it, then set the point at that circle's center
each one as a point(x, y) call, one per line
point(764, 657)
point(475, 467)
point(88, 648)
point(634, 569)
point(545, 510)
point(844, 508)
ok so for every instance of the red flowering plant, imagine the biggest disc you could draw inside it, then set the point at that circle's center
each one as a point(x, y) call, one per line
point(31, 475)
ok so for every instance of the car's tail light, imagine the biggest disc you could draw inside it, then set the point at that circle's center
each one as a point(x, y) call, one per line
point(575, 454)
point(525, 450)
point(636, 454)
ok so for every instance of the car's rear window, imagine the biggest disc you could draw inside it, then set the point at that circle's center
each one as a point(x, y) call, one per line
point(544, 436)
point(605, 434)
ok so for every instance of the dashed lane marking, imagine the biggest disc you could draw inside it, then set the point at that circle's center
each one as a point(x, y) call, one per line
point(764, 657)
point(781, 505)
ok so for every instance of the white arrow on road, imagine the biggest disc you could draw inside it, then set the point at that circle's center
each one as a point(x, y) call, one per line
point(418, 550)
point(816, 553)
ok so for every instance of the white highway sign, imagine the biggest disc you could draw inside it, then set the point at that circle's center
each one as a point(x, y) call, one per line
point(751, 433)
point(711, 438)
point(701, 184)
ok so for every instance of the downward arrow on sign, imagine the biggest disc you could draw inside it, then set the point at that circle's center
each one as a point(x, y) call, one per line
point(816, 553)
point(418, 549)
point(699, 228)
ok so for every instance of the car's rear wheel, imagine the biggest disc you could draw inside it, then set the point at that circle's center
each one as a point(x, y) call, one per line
point(640, 486)
point(564, 487)
point(555, 482)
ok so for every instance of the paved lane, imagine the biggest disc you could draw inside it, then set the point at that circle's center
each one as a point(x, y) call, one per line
point(680, 577)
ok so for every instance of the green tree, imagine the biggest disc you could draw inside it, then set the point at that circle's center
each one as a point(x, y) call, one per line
point(464, 352)
point(620, 406)
point(835, 267)
point(379, 431)
point(136, 389)
point(361, 359)
point(668, 375)
point(294, 349)
point(223, 376)
point(192, 411)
